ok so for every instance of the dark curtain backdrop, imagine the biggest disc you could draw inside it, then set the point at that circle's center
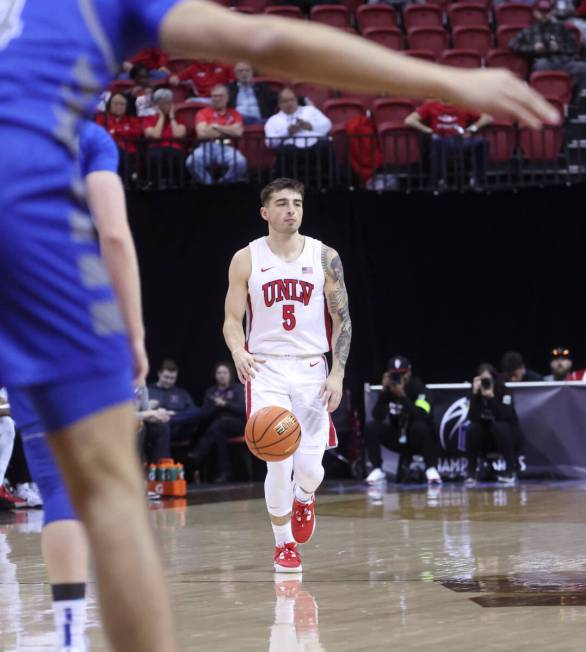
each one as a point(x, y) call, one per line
point(448, 281)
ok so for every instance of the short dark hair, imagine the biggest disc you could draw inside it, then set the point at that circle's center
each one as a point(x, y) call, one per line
point(169, 365)
point(511, 361)
point(280, 184)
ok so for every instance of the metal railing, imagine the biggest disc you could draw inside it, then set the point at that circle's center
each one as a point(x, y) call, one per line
point(501, 157)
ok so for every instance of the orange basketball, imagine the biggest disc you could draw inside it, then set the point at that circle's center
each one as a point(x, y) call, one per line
point(273, 434)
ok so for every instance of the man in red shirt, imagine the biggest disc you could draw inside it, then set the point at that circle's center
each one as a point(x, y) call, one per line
point(453, 133)
point(203, 76)
point(216, 125)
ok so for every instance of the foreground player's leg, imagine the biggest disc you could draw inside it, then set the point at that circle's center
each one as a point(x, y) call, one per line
point(99, 461)
point(308, 475)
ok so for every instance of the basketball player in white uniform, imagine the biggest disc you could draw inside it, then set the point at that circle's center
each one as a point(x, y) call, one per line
point(292, 290)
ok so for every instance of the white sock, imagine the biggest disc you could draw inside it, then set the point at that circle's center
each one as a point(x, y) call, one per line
point(282, 533)
point(70, 618)
point(302, 496)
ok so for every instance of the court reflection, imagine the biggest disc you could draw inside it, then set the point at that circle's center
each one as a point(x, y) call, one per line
point(296, 626)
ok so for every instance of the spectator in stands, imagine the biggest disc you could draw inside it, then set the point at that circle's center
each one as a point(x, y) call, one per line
point(154, 60)
point(217, 125)
point(296, 128)
point(402, 419)
point(550, 45)
point(124, 129)
point(154, 443)
point(223, 416)
point(454, 133)
point(255, 102)
point(203, 77)
point(166, 150)
point(142, 92)
point(566, 12)
point(177, 402)
point(493, 424)
point(560, 364)
point(514, 370)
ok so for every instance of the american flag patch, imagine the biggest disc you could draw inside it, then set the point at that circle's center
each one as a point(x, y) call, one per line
point(307, 270)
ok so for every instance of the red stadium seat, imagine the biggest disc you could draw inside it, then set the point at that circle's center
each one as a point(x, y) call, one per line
point(253, 147)
point(317, 94)
point(352, 5)
point(186, 112)
point(340, 143)
point(576, 32)
point(120, 85)
point(461, 58)
point(285, 11)
point(440, 4)
point(556, 84)
point(505, 33)
point(339, 111)
point(388, 37)
point(544, 145)
point(367, 99)
point(426, 55)
point(473, 38)
point(277, 85)
point(392, 110)
point(467, 14)
point(513, 13)
point(180, 92)
point(257, 6)
point(502, 141)
point(333, 15)
point(422, 16)
point(177, 64)
point(399, 144)
point(516, 63)
point(375, 16)
point(429, 38)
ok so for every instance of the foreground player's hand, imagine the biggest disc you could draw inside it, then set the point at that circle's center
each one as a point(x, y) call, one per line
point(141, 362)
point(500, 93)
point(247, 365)
point(331, 391)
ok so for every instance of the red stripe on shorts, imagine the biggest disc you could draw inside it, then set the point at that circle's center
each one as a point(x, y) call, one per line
point(248, 399)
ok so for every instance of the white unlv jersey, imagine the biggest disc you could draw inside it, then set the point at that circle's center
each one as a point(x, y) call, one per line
point(287, 311)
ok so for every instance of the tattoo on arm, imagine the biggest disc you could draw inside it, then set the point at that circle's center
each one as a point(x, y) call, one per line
point(337, 298)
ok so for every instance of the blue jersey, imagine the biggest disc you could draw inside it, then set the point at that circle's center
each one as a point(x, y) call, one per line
point(59, 317)
point(97, 150)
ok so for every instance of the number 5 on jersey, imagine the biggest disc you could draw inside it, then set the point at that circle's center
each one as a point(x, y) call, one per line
point(289, 321)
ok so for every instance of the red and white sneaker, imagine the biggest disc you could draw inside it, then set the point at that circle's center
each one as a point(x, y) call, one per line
point(9, 501)
point(287, 559)
point(303, 520)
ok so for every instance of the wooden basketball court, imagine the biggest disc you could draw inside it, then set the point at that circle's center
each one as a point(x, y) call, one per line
point(455, 569)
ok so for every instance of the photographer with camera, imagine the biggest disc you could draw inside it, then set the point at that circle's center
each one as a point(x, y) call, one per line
point(402, 418)
point(493, 424)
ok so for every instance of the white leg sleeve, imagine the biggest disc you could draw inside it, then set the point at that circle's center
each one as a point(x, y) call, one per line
point(308, 471)
point(7, 434)
point(279, 487)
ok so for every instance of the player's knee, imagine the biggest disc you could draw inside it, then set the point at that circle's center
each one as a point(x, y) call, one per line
point(309, 477)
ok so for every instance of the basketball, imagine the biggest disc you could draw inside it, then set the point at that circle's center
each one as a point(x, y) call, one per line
point(273, 434)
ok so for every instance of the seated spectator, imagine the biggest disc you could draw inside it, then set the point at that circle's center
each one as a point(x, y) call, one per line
point(453, 133)
point(566, 12)
point(154, 60)
point(153, 444)
point(255, 102)
point(166, 150)
point(514, 371)
point(124, 129)
point(493, 424)
point(560, 364)
point(203, 77)
point(142, 92)
point(184, 415)
point(223, 416)
point(216, 125)
point(293, 129)
point(402, 418)
point(550, 45)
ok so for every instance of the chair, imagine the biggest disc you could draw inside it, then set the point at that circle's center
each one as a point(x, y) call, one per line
point(467, 14)
point(461, 58)
point(575, 32)
point(399, 144)
point(340, 144)
point(120, 85)
point(553, 84)
point(516, 63)
point(277, 85)
point(505, 33)
point(339, 111)
point(544, 145)
point(422, 16)
point(513, 13)
point(473, 38)
point(285, 12)
point(180, 92)
point(425, 55)
point(388, 37)
point(351, 5)
point(393, 110)
point(257, 6)
point(333, 15)
point(186, 113)
point(375, 16)
point(501, 137)
point(253, 147)
point(317, 94)
point(429, 38)
point(177, 64)
point(367, 99)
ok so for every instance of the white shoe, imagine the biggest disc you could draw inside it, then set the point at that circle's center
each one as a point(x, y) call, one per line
point(376, 475)
point(433, 477)
point(30, 493)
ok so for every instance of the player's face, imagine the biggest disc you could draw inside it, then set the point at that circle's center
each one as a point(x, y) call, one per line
point(284, 212)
